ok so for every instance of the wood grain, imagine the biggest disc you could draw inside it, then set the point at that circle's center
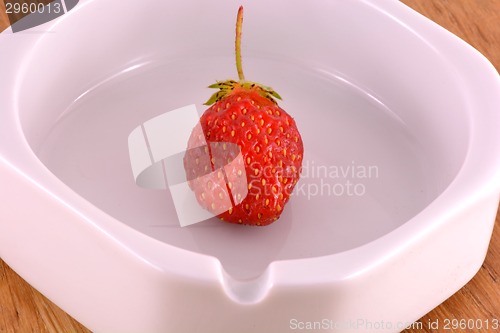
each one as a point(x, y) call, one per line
point(23, 309)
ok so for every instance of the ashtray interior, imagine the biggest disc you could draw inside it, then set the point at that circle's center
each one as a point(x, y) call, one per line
point(378, 147)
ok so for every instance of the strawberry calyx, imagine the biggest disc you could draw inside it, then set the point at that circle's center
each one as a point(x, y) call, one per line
point(228, 86)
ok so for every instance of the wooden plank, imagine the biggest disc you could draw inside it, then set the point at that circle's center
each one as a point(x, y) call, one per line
point(23, 309)
point(478, 23)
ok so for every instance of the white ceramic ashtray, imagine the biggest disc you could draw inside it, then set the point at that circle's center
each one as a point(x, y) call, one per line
point(397, 198)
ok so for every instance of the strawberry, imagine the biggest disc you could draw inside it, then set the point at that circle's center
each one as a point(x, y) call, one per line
point(246, 171)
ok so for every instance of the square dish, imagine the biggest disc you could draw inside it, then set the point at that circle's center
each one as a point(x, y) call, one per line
point(373, 248)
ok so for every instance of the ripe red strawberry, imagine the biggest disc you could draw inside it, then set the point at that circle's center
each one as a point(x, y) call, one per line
point(251, 188)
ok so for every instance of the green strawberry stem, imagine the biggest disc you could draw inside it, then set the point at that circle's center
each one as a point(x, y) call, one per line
point(239, 24)
point(226, 87)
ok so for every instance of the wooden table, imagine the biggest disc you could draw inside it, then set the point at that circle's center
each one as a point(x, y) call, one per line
point(23, 309)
